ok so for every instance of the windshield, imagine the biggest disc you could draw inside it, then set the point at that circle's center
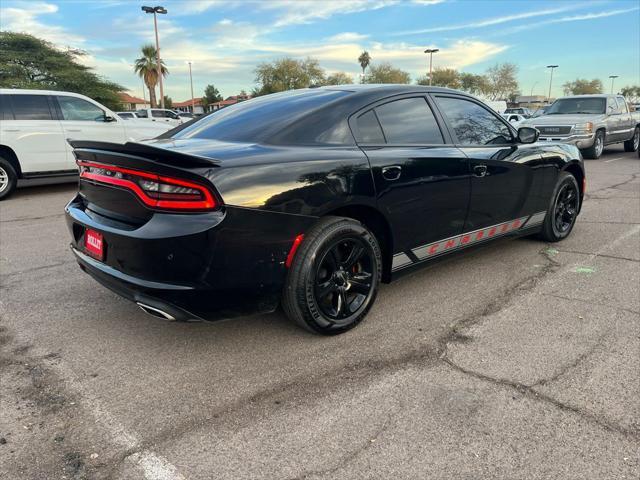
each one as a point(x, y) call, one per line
point(588, 105)
point(254, 119)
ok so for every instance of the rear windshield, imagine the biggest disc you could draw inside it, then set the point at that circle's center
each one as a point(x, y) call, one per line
point(567, 106)
point(256, 119)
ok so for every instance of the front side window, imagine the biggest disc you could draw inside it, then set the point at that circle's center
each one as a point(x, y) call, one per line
point(158, 114)
point(409, 121)
point(474, 124)
point(78, 109)
point(30, 107)
point(142, 114)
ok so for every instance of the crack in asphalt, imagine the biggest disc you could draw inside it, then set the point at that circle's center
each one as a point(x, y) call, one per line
point(349, 457)
point(604, 255)
point(27, 219)
point(597, 304)
point(531, 392)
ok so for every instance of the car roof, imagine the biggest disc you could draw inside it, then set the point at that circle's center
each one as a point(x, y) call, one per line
point(25, 91)
point(596, 95)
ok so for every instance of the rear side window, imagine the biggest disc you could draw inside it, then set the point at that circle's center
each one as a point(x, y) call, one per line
point(142, 114)
point(30, 107)
point(622, 105)
point(369, 130)
point(474, 124)
point(409, 121)
point(78, 109)
point(158, 113)
point(5, 108)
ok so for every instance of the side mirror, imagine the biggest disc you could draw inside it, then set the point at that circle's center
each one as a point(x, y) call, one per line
point(109, 118)
point(528, 135)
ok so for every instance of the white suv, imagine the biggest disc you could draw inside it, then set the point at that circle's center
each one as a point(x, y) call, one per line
point(35, 126)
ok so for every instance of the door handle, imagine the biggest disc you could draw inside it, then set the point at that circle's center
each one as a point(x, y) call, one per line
point(74, 130)
point(11, 129)
point(392, 172)
point(480, 170)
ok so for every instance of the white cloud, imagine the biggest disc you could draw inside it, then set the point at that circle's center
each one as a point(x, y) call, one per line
point(489, 21)
point(427, 2)
point(24, 17)
point(347, 37)
point(308, 11)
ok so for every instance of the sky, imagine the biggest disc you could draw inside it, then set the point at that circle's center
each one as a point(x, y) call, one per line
point(226, 39)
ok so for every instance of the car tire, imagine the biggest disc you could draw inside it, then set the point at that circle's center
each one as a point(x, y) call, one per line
point(8, 179)
point(563, 209)
point(632, 144)
point(595, 150)
point(333, 279)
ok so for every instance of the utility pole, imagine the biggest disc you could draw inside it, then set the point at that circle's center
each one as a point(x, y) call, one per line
point(193, 102)
point(552, 67)
point(163, 11)
point(612, 77)
point(431, 51)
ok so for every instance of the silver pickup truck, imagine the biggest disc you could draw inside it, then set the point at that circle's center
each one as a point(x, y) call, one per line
point(590, 122)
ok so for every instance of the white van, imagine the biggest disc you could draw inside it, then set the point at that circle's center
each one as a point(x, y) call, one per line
point(35, 126)
point(160, 115)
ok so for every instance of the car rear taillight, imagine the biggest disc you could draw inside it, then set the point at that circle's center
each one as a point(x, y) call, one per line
point(155, 191)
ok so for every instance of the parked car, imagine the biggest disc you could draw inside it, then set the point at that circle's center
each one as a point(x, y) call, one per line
point(127, 115)
point(162, 115)
point(590, 122)
point(35, 126)
point(311, 198)
point(514, 118)
point(520, 111)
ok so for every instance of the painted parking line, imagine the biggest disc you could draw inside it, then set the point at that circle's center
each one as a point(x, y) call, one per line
point(614, 159)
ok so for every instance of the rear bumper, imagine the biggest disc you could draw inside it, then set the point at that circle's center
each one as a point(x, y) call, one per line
point(148, 295)
point(192, 267)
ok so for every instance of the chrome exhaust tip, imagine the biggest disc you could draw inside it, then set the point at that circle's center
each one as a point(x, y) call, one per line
point(156, 312)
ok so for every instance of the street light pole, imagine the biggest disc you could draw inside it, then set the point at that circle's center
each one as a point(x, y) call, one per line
point(156, 10)
point(612, 77)
point(193, 102)
point(534, 86)
point(431, 51)
point(552, 67)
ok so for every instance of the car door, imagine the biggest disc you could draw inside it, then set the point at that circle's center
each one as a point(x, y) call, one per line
point(503, 172)
point(422, 182)
point(84, 120)
point(626, 124)
point(31, 129)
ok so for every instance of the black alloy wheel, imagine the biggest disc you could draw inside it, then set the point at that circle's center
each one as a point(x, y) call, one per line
point(344, 278)
point(566, 208)
point(563, 209)
point(333, 279)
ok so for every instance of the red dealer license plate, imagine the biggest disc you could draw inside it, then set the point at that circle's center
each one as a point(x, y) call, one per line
point(94, 244)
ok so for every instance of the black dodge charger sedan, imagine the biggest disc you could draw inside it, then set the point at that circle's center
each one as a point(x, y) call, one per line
point(310, 198)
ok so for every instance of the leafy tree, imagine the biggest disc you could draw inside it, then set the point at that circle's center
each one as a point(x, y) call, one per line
point(443, 77)
point(502, 83)
point(582, 86)
point(287, 74)
point(146, 67)
point(338, 78)
point(211, 95)
point(386, 73)
point(631, 93)
point(474, 84)
point(364, 60)
point(168, 102)
point(32, 63)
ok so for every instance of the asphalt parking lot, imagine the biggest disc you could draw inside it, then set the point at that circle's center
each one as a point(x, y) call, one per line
point(514, 360)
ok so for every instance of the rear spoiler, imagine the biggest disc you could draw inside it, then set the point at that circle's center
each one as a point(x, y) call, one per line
point(158, 154)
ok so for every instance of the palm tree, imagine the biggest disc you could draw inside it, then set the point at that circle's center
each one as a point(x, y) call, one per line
point(364, 59)
point(147, 68)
